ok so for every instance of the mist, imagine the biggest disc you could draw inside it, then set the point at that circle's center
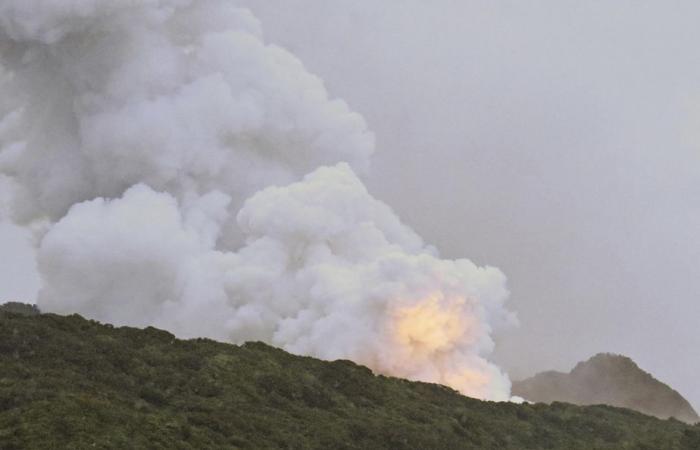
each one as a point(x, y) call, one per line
point(555, 140)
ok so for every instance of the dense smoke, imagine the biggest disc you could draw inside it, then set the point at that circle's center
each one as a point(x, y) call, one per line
point(180, 172)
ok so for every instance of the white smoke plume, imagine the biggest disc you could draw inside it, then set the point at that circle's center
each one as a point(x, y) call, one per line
point(160, 146)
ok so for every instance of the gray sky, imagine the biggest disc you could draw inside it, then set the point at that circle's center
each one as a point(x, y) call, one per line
point(18, 276)
point(555, 140)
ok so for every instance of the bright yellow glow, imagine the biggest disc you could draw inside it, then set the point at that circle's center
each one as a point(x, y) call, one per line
point(429, 326)
point(426, 334)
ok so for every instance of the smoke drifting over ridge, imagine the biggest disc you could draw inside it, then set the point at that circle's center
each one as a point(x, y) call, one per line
point(182, 173)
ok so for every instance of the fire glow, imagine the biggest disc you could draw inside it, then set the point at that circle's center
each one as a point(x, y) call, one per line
point(431, 325)
point(427, 334)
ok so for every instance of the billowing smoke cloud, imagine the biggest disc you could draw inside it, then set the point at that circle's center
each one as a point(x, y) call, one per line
point(183, 96)
point(162, 148)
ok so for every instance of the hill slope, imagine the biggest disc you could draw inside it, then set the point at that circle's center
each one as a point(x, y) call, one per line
point(66, 382)
point(612, 380)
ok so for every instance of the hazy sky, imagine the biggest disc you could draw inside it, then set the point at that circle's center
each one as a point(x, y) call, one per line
point(555, 140)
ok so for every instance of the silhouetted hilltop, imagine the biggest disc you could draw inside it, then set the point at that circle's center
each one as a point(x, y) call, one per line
point(611, 380)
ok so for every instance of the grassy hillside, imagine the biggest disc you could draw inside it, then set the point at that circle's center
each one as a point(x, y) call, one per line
point(610, 379)
point(66, 382)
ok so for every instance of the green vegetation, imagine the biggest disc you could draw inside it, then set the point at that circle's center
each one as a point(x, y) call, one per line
point(66, 382)
point(19, 308)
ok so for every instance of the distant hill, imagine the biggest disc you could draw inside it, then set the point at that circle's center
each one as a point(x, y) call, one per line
point(67, 382)
point(611, 380)
point(19, 308)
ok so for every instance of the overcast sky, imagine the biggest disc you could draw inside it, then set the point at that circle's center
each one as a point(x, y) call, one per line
point(556, 140)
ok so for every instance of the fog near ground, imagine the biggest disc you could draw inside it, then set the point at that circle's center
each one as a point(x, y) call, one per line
point(555, 140)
